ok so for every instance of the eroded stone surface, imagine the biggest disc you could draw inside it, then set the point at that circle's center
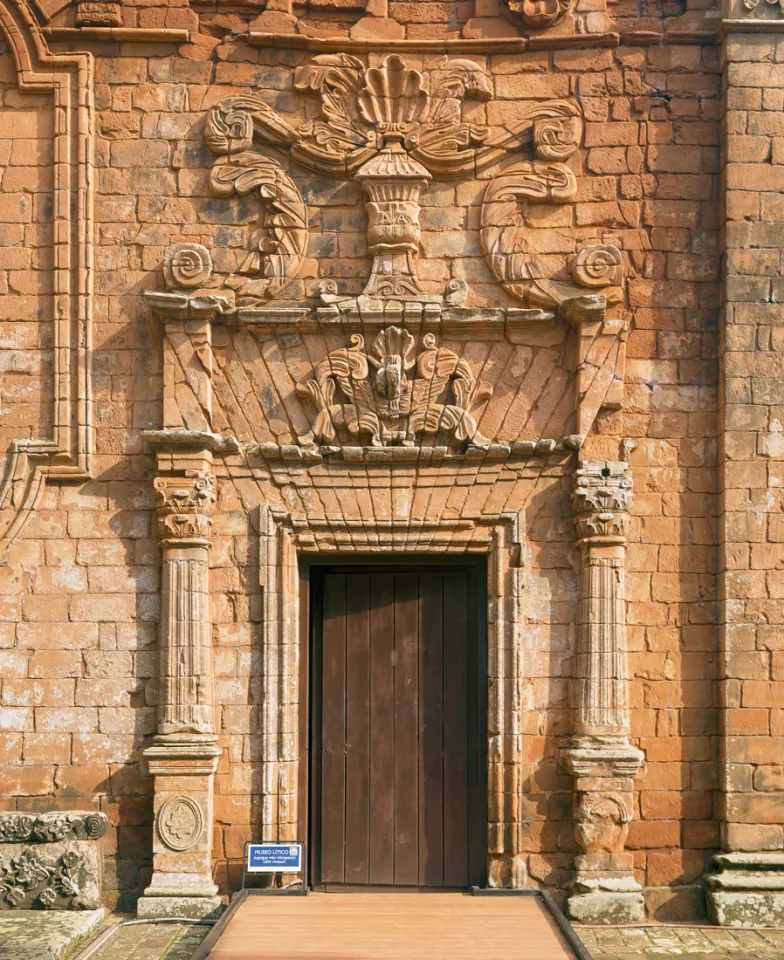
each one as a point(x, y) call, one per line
point(34, 935)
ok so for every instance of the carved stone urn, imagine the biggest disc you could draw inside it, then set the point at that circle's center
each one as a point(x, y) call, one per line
point(394, 183)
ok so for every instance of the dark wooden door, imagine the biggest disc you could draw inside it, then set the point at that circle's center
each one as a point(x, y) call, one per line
point(395, 741)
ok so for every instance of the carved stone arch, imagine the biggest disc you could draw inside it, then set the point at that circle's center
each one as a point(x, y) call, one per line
point(65, 453)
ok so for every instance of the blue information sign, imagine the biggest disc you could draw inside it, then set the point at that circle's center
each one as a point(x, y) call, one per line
point(274, 858)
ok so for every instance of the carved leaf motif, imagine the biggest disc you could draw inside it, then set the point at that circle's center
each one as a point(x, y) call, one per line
point(337, 77)
point(278, 249)
point(392, 97)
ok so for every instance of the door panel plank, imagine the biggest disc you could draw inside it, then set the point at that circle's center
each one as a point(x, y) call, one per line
point(431, 731)
point(399, 725)
point(333, 764)
point(357, 728)
point(406, 729)
point(455, 729)
point(382, 729)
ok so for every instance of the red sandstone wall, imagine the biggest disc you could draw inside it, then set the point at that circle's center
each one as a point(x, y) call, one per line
point(79, 592)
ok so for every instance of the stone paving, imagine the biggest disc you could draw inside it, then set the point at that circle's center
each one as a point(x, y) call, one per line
point(693, 943)
point(42, 935)
point(153, 942)
point(175, 942)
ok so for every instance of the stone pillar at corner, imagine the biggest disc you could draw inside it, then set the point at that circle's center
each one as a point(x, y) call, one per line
point(748, 887)
point(600, 757)
point(184, 754)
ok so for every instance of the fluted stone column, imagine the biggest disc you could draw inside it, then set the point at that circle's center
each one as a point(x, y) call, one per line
point(184, 754)
point(600, 757)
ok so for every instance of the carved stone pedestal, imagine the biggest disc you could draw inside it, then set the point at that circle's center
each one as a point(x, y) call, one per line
point(184, 754)
point(183, 767)
point(748, 890)
point(600, 758)
point(604, 889)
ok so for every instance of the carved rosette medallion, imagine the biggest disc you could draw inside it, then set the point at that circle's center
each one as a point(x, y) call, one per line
point(184, 507)
point(389, 395)
point(601, 500)
point(180, 823)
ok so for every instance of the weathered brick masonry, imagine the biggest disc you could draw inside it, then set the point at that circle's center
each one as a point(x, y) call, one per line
point(494, 277)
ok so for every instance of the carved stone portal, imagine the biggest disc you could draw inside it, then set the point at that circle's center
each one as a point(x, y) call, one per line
point(600, 758)
point(402, 400)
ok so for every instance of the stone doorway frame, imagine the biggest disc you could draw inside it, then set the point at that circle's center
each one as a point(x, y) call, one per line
point(474, 563)
point(284, 540)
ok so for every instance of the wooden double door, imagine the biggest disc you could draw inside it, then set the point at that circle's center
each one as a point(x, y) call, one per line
point(397, 752)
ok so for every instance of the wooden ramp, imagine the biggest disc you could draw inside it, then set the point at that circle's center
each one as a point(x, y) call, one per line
point(390, 926)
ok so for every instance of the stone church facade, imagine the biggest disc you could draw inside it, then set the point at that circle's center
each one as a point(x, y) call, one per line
point(309, 310)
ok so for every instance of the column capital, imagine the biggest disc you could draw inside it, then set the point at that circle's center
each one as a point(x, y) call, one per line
point(185, 505)
point(601, 499)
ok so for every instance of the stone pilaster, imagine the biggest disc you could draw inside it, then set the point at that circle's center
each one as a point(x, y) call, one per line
point(184, 755)
point(748, 887)
point(600, 757)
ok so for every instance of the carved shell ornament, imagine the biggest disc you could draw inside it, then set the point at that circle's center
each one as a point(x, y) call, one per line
point(391, 396)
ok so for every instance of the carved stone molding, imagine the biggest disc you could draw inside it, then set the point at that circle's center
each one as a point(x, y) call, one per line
point(67, 453)
point(52, 827)
point(401, 400)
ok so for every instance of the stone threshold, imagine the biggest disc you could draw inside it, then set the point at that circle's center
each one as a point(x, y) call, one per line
point(45, 934)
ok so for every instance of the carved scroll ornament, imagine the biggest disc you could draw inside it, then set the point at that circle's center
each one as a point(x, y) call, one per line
point(404, 397)
point(506, 235)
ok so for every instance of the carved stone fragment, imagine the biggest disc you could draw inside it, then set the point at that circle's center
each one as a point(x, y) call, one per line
point(537, 14)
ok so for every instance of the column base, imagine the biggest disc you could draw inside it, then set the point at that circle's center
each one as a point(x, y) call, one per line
point(179, 908)
point(607, 906)
point(748, 890)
